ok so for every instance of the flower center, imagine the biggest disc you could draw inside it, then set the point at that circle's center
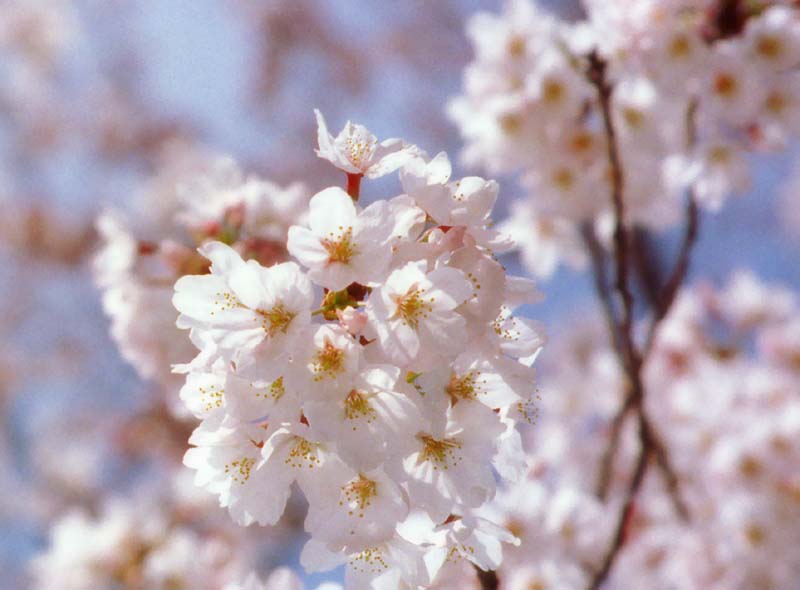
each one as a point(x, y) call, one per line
point(328, 362)
point(510, 123)
point(516, 46)
point(679, 46)
point(505, 325)
point(275, 391)
point(303, 454)
point(211, 397)
point(239, 470)
point(552, 92)
point(726, 85)
point(460, 551)
point(225, 301)
point(356, 405)
point(465, 387)
point(340, 249)
point(369, 561)
point(769, 47)
point(412, 307)
point(776, 103)
point(564, 179)
point(442, 453)
point(633, 117)
point(755, 534)
point(359, 150)
point(582, 142)
point(720, 155)
point(276, 319)
point(358, 494)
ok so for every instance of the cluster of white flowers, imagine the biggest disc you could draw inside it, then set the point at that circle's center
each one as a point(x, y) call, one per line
point(723, 393)
point(34, 38)
point(383, 371)
point(195, 198)
point(281, 578)
point(694, 89)
point(136, 544)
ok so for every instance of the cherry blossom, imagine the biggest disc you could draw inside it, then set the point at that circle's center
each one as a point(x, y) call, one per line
point(356, 151)
point(371, 403)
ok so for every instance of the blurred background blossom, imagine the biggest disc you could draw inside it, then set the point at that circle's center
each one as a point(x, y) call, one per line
point(103, 105)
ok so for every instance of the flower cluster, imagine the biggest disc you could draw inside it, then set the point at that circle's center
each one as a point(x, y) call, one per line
point(694, 86)
point(137, 544)
point(722, 388)
point(382, 370)
point(196, 197)
point(279, 579)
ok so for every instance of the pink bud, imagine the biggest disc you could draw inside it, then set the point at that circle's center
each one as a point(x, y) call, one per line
point(352, 319)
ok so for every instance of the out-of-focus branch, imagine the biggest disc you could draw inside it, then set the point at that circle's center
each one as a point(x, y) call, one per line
point(488, 580)
point(647, 264)
point(607, 461)
point(43, 234)
point(597, 256)
point(679, 272)
point(597, 75)
point(632, 358)
point(691, 231)
point(626, 513)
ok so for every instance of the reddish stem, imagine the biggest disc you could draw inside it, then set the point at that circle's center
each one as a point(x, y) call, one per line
point(353, 187)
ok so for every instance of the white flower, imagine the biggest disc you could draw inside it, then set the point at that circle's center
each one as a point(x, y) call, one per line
point(517, 337)
point(559, 91)
point(465, 202)
point(544, 241)
point(264, 209)
point(399, 398)
point(226, 456)
point(715, 170)
point(368, 420)
point(354, 510)
point(414, 315)
point(342, 245)
point(205, 393)
point(451, 463)
point(244, 306)
point(472, 539)
point(329, 362)
point(731, 92)
point(773, 38)
point(391, 565)
point(281, 578)
point(561, 575)
point(474, 376)
point(356, 151)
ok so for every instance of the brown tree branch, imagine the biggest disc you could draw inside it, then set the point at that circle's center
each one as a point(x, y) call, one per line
point(632, 358)
point(488, 580)
point(597, 255)
point(664, 464)
point(691, 231)
point(607, 461)
point(679, 271)
point(626, 513)
point(597, 76)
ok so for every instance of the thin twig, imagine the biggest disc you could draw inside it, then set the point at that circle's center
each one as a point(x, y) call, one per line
point(597, 256)
point(488, 579)
point(647, 265)
point(632, 360)
point(626, 513)
point(607, 461)
point(691, 231)
point(679, 271)
point(667, 470)
point(597, 75)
